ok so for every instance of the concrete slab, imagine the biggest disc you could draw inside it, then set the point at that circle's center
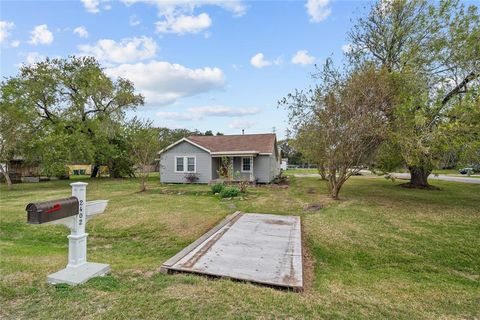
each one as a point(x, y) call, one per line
point(262, 248)
point(79, 275)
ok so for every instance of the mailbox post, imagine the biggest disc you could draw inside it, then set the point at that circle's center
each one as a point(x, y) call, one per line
point(77, 240)
point(75, 217)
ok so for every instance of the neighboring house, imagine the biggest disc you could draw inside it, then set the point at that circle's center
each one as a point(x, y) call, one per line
point(21, 171)
point(79, 169)
point(284, 164)
point(254, 157)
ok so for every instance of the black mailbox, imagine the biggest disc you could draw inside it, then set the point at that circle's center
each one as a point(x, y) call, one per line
point(47, 211)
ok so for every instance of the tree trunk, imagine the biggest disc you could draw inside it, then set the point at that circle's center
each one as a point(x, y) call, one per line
point(321, 171)
point(95, 171)
point(419, 177)
point(334, 185)
point(143, 186)
point(335, 190)
point(7, 178)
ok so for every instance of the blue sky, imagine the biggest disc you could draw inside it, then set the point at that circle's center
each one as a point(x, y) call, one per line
point(205, 64)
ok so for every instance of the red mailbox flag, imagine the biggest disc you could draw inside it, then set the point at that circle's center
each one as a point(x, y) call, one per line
point(56, 207)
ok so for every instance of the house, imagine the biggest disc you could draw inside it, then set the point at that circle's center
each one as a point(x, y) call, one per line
point(203, 159)
point(19, 170)
point(76, 169)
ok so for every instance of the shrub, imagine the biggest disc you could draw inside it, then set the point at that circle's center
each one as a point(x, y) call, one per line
point(243, 185)
point(191, 177)
point(217, 188)
point(280, 179)
point(229, 192)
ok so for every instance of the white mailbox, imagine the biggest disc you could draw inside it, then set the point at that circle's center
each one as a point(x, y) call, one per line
point(78, 270)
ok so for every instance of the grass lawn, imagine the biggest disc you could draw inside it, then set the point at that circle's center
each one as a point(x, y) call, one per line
point(380, 252)
point(291, 172)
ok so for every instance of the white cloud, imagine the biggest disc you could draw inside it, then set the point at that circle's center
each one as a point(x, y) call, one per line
point(81, 31)
point(302, 57)
point(127, 50)
point(91, 5)
point(41, 35)
point(134, 21)
point(33, 57)
point(184, 24)
point(198, 113)
point(5, 27)
point(177, 16)
point(241, 124)
point(15, 44)
point(318, 10)
point(163, 83)
point(168, 7)
point(259, 61)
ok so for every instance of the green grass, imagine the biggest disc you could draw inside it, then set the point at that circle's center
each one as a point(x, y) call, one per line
point(290, 172)
point(380, 252)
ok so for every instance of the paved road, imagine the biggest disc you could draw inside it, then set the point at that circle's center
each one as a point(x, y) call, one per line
point(441, 177)
point(406, 176)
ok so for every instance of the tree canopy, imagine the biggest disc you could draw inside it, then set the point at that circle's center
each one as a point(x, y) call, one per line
point(67, 110)
point(433, 51)
point(419, 68)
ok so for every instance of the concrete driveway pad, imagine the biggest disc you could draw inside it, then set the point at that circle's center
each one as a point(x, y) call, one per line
point(261, 248)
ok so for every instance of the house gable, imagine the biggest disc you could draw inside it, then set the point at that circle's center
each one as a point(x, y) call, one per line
point(181, 141)
point(203, 163)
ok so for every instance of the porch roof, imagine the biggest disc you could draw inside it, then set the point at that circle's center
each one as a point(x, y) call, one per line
point(235, 154)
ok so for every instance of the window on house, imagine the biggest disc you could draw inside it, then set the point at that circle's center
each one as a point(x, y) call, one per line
point(246, 164)
point(191, 164)
point(179, 164)
point(185, 164)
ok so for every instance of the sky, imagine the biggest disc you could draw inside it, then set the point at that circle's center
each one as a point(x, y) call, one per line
point(205, 64)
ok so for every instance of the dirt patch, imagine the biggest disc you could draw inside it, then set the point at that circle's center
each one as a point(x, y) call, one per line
point(427, 187)
point(312, 207)
point(311, 191)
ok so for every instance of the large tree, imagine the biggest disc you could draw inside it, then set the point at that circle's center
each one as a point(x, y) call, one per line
point(77, 109)
point(17, 127)
point(433, 51)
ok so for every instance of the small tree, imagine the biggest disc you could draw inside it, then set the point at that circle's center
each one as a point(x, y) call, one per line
point(143, 143)
point(348, 119)
point(309, 141)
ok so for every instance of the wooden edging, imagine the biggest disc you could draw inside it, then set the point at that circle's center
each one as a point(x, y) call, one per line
point(173, 260)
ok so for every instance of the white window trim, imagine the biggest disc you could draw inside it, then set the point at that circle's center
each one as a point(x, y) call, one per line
point(185, 164)
point(185, 161)
point(251, 165)
point(175, 164)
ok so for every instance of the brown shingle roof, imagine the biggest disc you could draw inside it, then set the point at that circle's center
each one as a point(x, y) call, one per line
point(261, 143)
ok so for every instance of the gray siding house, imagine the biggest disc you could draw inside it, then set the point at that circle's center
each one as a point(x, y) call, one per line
point(254, 157)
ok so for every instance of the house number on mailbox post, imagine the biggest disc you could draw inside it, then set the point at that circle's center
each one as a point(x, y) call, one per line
point(73, 212)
